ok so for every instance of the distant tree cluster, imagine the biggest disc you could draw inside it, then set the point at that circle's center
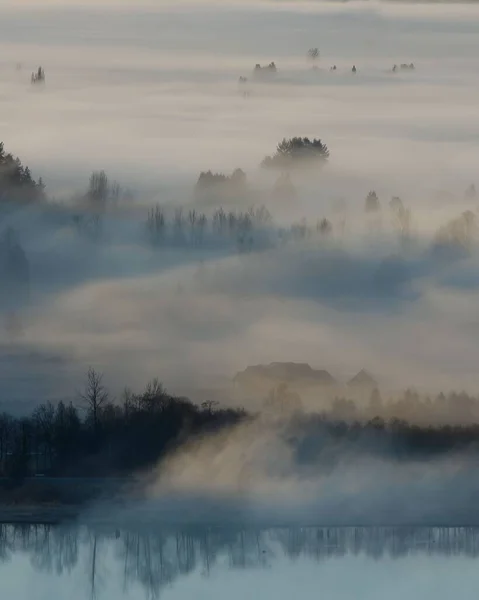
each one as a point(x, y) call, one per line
point(102, 192)
point(297, 151)
point(265, 73)
point(403, 67)
point(16, 182)
point(219, 183)
point(459, 234)
point(39, 76)
point(453, 409)
point(196, 229)
point(406, 429)
point(100, 195)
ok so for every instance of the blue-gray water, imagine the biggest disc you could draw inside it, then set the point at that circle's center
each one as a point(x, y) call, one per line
point(44, 562)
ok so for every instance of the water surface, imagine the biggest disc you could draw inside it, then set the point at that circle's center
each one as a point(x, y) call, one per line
point(75, 562)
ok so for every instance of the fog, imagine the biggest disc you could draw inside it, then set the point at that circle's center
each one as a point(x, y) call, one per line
point(149, 92)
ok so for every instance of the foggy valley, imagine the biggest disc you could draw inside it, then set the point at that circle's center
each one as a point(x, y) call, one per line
point(239, 265)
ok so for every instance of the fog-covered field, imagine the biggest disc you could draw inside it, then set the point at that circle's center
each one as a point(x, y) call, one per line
point(149, 93)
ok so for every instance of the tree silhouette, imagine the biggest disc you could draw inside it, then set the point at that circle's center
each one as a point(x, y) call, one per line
point(297, 151)
point(98, 190)
point(265, 73)
point(16, 182)
point(459, 234)
point(14, 281)
point(324, 227)
point(313, 54)
point(371, 204)
point(94, 397)
point(401, 215)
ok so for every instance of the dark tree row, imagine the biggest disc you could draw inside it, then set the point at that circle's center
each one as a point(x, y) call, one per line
point(97, 436)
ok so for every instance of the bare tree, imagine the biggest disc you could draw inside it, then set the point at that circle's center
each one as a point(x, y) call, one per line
point(94, 396)
point(44, 421)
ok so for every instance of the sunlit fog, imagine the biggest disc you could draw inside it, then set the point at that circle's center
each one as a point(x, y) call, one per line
point(239, 279)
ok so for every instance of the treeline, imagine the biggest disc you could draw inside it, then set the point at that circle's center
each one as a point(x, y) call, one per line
point(193, 226)
point(245, 229)
point(96, 436)
point(322, 440)
point(362, 405)
point(452, 409)
point(100, 436)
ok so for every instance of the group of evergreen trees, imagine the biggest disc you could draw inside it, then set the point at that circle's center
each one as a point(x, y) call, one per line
point(16, 181)
point(297, 151)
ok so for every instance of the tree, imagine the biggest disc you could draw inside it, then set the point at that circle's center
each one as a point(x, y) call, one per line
point(156, 223)
point(209, 182)
point(94, 397)
point(471, 193)
point(44, 422)
point(313, 54)
point(14, 274)
point(297, 151)
point(371, 204)
point(324, 227)
point(98, 190)
point(459, 234)
point(265, 73)
point(401, 215)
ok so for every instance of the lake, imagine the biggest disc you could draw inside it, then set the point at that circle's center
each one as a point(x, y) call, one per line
point(82, 562)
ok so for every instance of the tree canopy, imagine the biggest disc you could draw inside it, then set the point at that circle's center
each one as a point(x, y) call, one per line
point(297, 151)
point(16, 181)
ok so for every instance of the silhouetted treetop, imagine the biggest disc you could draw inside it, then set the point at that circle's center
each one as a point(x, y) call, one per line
point(297, 151)
point(207, 179)
point(265, 73)
point(16, 182)
point(459, 234)
point(211, 184)
point(371, 203)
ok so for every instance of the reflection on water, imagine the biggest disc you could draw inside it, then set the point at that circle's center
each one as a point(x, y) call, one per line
point(85, 562)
